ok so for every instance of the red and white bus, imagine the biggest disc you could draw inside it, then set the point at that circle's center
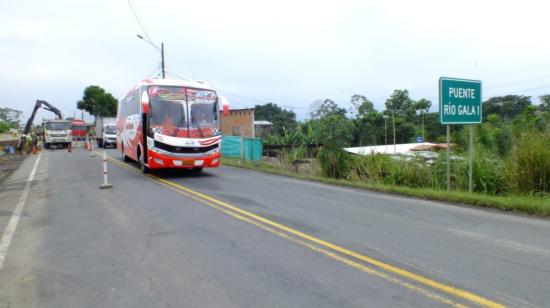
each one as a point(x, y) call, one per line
point(164, 123)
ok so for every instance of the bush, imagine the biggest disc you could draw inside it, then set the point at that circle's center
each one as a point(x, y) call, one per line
point(4, 127)
point(488, 173)
point(409, 172)
point(382, 169)
point(528, 168)
point(370, 168)
point(335, 163)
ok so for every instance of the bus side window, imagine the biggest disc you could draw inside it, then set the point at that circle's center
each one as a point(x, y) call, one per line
point(136, 101)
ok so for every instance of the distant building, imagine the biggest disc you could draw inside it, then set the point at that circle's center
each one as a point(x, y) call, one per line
point(239, 122)
point(263, 128)
point(425, 149)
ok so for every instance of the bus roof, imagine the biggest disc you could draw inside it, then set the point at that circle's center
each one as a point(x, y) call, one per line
point(175, 82)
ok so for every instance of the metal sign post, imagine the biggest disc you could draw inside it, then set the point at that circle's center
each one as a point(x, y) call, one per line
point(448, 158)
point(459, 103)
point(470, 158)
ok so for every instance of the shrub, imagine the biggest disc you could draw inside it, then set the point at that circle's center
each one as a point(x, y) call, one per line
point(335, 163)
point(4, 127)
point(370, 168)
point(409, 172)
point(528, 168)
point(488, 173)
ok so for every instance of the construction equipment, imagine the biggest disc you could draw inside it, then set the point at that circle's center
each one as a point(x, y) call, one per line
point(28, 126)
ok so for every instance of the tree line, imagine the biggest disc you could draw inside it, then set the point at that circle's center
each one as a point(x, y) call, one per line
point(511, 145)
point(363, 125)
point(9, 118)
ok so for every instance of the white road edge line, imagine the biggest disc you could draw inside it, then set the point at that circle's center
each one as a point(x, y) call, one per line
point(512, 245)
point(14, 220)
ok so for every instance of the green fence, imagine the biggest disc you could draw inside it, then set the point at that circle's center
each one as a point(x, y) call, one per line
point(250, 147)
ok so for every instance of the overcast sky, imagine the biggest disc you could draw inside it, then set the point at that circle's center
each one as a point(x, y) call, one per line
point(288, 52)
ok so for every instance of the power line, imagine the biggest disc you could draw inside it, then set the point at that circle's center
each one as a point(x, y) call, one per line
point(178, 76)
point(509, 72)
point(527, 90)
point(521, 81)
point(155, 72)
point(243, 97)
point(139, 20)
point(146, 34)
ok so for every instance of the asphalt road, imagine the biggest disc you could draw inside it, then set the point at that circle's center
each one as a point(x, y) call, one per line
point(237, 238)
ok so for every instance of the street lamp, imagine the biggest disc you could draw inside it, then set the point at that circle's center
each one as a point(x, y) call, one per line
point(161, 50)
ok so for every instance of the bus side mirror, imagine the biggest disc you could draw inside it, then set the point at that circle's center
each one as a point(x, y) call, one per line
point(145, 102)
point(225, 105)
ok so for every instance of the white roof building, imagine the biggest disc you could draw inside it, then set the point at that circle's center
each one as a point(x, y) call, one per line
point(405, 149)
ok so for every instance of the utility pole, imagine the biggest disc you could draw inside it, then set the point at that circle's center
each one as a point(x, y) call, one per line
point(161, 50)
point(385, 129)
point(423, 138)
point(393, 120)
point(162, 60)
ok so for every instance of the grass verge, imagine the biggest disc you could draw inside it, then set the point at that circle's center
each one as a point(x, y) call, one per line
point(539, 206)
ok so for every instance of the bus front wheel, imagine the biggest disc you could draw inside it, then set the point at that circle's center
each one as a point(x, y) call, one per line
point(144, 169)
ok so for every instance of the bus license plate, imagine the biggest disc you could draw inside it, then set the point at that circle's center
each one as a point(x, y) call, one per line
point(187, 162)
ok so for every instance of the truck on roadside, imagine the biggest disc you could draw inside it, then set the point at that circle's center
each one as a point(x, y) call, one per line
point(57, 133)
point(105, 129)
point(79, 129)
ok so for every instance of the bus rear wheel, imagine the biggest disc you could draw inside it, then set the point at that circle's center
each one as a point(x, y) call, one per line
point(124, 157)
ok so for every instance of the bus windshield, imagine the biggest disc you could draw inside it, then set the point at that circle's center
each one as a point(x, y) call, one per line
point(167, 110)
point(203, 109)
point(180, 112)
point(58, 126)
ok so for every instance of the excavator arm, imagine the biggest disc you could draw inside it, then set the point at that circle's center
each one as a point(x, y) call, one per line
point(46, 106)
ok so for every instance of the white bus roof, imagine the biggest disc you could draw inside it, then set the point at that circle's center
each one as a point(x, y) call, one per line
point(175, 82)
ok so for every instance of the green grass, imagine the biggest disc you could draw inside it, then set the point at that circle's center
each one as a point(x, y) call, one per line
point(539, 206)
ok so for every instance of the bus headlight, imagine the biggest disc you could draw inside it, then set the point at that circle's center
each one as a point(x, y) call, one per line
point(199, 162)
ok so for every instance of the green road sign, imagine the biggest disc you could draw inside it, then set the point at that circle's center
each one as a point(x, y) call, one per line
point(459, 101)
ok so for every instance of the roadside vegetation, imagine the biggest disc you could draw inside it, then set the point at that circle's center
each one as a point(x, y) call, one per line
point(511, 165)
point(9, 119)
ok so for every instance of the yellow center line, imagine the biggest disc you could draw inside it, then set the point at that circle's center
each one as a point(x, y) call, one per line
point(333, 255)
point(254, 219)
